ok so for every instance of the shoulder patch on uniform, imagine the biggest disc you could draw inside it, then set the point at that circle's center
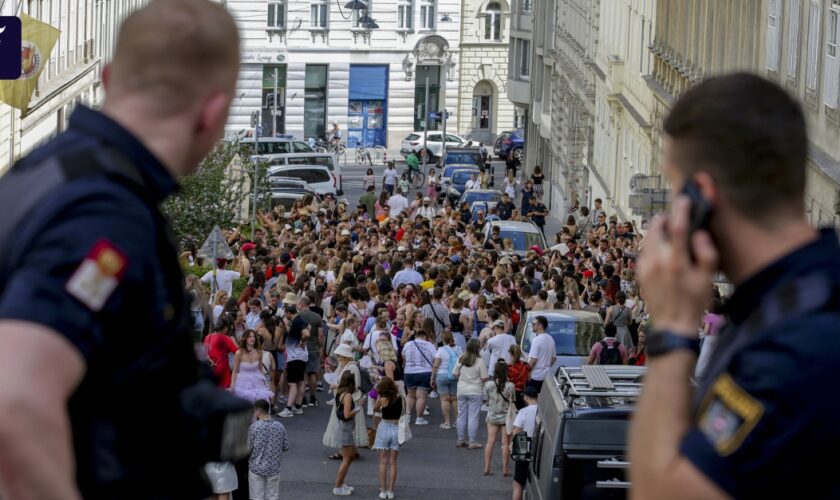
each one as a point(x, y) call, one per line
point(728, 415)
point(98, 275)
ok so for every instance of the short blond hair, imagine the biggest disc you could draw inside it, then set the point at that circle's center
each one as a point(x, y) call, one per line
point(175, 51)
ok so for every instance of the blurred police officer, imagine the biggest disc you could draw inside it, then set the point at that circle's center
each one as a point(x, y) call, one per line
point(760, 424)
point(94, 327)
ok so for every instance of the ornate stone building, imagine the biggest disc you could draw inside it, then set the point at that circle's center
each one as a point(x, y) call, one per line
point(484, 110)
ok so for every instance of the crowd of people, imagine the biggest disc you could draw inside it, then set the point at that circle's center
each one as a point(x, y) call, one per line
point(386, 309)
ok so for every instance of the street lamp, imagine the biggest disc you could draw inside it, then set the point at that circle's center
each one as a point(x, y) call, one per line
point(445, 18)
point(359, 6)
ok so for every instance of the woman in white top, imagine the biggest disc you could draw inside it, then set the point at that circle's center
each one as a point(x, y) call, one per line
point(418, 355)
point(346, 363)
point(447, 388)
point(472, 373)
point(218, 305)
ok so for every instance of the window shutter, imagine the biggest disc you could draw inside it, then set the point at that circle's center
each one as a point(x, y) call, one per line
point(773, 35)
point(813, 45)
point(831, 79)
point(793, 37)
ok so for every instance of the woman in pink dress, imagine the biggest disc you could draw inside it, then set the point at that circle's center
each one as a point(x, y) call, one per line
point(250, 381)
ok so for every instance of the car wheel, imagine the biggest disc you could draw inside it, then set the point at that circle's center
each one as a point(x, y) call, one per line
point(518, 154)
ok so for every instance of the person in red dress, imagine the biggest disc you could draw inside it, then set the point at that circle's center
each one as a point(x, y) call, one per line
point(219, 347)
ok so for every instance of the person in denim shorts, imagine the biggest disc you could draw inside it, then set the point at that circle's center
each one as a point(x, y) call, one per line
point(447, 388)
point(391, 404)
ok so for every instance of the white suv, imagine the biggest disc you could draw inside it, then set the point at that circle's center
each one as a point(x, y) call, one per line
point(413, 143)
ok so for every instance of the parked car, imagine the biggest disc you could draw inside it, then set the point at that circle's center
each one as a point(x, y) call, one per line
point(510, 143)
point(579, 445)
point(327, 160)
point(523, 234)
point(463, 156)
point(276, 145)
point(574, 334)
point(485, 195)
point(413, 143)
point(286, 191)
point(319, 178)
point(455, 184)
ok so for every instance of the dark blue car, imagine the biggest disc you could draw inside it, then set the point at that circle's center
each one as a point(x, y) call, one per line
point(510, 144)
point(457, 182)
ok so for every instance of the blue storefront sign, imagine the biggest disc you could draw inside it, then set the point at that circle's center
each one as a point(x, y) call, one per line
point(367, 109)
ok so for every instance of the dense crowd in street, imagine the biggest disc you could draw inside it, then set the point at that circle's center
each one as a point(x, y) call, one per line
point(379, 311)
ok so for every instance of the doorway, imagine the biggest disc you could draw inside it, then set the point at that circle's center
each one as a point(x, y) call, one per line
point(420, 111)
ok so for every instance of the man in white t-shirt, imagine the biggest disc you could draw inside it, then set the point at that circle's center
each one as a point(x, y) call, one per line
point(398, 203)
point(543, 353)
point(526, 420)
point(223, 279)
point(389, 178)
point(499, 345)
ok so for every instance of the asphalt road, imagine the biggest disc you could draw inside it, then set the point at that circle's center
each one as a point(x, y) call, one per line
point(352, 176)
point(429, 464)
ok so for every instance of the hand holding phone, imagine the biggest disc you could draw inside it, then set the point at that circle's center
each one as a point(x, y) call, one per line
point(700, 213)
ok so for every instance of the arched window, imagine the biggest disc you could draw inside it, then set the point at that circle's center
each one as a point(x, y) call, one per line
point(493, 22)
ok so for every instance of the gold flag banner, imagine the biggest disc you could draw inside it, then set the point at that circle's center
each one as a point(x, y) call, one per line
point(38, 40)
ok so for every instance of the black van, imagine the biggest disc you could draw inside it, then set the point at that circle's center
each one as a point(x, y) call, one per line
point(580, 439)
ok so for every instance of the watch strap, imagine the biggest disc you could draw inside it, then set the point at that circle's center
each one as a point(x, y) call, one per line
point(661, 342)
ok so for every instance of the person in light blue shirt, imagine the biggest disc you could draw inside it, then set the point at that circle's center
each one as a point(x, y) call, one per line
point(408, 275)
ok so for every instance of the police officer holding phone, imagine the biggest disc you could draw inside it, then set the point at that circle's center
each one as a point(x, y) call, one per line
point(97, 360)
point(760, 424)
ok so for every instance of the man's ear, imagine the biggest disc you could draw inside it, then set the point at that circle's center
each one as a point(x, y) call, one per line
point(214, 112)
point(708, 187)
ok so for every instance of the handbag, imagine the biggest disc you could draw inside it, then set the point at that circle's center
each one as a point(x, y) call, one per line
point(404, 428)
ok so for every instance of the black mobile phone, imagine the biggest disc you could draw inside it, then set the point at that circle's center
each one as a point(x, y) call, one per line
point(700, 212)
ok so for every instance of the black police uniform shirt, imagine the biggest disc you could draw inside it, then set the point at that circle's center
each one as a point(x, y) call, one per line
point(766, 421)
point(126, 436)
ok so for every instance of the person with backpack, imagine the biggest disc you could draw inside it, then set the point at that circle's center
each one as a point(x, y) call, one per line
point(501, 395)
point(444, 380)
point(608, 351)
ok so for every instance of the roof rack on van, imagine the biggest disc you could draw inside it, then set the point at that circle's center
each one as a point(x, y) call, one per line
point(601, 381)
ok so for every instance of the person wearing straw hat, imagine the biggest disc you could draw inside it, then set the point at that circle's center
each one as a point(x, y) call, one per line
point(346, 363)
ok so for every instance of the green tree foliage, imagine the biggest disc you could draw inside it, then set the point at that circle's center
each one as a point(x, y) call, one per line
point(208, 197)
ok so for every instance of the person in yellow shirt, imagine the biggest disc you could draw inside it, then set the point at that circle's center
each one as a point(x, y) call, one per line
point(432, 277)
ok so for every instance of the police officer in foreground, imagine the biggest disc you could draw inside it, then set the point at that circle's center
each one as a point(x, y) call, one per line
point(763, 420)
point(96, 352)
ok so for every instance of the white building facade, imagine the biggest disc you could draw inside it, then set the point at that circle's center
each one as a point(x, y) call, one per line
point(71, 76)
point(623, 104)
point(307, 64)
point(519, 59)
point(484, 110)
point(801, 54)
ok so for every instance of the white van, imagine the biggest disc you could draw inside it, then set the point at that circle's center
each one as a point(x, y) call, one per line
point(326, 160)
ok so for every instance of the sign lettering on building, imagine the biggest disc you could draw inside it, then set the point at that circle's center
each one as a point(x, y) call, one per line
point(262, 57)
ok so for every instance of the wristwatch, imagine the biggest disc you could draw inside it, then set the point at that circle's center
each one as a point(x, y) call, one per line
point(661, 342)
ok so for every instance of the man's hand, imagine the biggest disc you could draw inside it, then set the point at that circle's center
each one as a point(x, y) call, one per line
point(676, 290)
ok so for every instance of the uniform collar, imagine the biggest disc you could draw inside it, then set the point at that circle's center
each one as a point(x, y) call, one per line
point(820, 253)
point(101, 127)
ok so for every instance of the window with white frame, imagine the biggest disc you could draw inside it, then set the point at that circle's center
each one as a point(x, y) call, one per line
point(276, 14)
point(405, 14)
point(773, 14)
point(526, 6)
point(319, 14)
point(428, 9)
point(524, 59)
point(793, 37)
point(831, 79)
point(493, 22)
point(812, 69)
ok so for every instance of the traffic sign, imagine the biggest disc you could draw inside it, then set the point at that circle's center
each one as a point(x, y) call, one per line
point(215, 246)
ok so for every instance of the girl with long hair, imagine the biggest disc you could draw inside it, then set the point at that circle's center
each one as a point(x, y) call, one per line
point(249, 379)
point(472, 373)
point(392, 406)
point(518, 372)
point(500, 395)
point(345, 410)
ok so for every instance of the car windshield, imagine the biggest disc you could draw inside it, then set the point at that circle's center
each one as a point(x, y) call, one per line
point(461, 177)
point(463, 159)
point(522, 241)
point(571, 337)
point(491, 196)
